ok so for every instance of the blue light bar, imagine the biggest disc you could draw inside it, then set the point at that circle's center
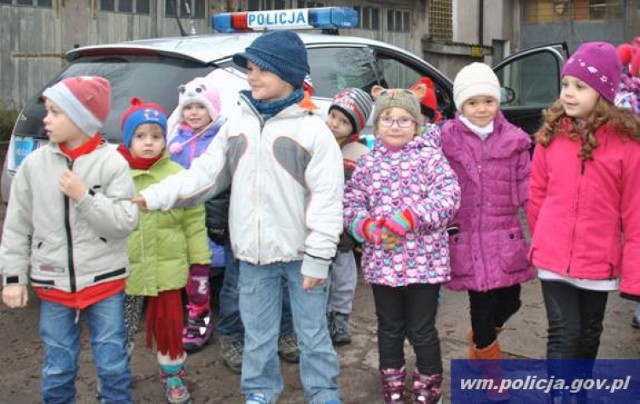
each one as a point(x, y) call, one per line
point(333, 17)
point(305, 18)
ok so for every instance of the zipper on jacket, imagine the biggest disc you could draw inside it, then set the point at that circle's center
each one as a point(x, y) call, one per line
point(481, 251)
point(575, 214)
point(67, 226)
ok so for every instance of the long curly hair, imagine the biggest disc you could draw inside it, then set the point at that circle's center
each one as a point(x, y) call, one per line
point(624, 121)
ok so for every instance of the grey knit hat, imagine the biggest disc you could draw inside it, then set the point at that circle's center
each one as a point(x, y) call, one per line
point(398, 98)
point(281, 52)
point(355, 104)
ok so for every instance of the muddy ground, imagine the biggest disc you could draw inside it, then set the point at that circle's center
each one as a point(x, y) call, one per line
point(211, 382)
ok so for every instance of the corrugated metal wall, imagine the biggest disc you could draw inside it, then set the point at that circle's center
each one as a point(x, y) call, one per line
point(33, 40)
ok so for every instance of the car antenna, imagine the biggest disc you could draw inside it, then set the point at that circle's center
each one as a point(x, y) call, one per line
point(192, 23)
point(175, 8)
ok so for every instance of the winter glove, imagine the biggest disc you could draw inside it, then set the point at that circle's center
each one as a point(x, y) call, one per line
point(366, 229)
point(389, 241)
point(401, 223)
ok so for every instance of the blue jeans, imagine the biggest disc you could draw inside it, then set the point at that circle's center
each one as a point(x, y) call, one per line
point(230, 323)
point(60, 333)
point(261, 298)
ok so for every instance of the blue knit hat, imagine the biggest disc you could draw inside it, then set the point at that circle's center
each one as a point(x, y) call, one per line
point(140, 113)
point(280, 52)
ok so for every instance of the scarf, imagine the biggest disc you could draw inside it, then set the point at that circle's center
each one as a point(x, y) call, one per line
point(481, 132)
point(269, 109)
point(165, 320)
point(138, 163)
point(86, 148)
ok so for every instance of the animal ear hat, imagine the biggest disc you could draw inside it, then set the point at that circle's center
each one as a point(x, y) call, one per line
point(409, 100)
point(200, 91)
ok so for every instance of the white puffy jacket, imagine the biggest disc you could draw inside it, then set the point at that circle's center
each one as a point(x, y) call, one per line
point(286, 178)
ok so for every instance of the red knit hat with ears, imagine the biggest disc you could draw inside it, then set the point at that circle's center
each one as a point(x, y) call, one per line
point(85, 100)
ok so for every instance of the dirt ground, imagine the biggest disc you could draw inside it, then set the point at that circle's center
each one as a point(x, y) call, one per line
point(211, 382)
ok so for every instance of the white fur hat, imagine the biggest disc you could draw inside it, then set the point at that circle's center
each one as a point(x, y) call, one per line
point(473, 80)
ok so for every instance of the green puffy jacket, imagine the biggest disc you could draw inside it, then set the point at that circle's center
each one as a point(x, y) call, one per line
point(164, 244)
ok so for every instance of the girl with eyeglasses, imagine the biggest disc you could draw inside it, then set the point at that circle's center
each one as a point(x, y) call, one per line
point(398, 203)
point(489, 253)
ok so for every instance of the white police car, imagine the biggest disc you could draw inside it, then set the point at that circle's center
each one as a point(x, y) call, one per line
point(153, 69)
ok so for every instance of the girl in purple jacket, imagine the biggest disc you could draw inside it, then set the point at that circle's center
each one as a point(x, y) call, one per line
point(199, 116)
point(398, 203)
point(489, 253)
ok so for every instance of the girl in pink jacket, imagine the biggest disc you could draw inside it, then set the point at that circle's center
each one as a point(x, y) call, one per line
point(398, 203)
point(584, 199)
point(489, 254)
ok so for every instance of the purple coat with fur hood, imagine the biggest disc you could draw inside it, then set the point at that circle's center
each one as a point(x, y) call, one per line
point(490, 251)
point(385, 182)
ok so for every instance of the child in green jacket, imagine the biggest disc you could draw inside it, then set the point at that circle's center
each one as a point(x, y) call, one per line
point(161, 249)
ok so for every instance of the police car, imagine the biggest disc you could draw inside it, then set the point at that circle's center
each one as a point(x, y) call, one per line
point(153, 69)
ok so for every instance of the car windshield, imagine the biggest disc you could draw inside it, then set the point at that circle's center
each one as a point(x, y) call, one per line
point(150, 78)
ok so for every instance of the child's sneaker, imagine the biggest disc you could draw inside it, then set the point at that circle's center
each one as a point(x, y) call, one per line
point(199, 328)
point(339, 328)
point(231, 352)
point(635, 322)
point(288, 348)
point(176, 390)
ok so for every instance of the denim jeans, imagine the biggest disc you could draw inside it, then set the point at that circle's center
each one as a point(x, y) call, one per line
point(261, 298)
point(408, 312)
point(60, 333)
point(490, 310)
point(344, 277)
point(230, 323)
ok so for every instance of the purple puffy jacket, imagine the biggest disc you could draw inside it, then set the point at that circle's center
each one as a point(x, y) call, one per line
point(490, 251)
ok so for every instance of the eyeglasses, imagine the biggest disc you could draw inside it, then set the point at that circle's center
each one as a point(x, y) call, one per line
point(403, 121)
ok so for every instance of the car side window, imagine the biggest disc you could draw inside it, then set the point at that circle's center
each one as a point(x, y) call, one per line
point(531, 79)
point(398, 74)
point(336, 68)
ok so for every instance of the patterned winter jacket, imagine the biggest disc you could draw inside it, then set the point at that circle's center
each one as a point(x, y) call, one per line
point(418, 177)
point(490, 251)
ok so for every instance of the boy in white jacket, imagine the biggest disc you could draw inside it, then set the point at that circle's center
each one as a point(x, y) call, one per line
point(285, 214)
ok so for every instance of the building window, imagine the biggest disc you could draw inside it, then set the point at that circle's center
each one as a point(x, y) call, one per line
point(369, 17)
point(309, 4)
point(108, 5)
point(545, 11)
point(142, 7)
point(125, 6)
point(399, 21)
point(441, 20)
point(262, 5)
point(197, 8)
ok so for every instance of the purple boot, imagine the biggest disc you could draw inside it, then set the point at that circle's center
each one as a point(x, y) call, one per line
point(199, 328)
point(427, 389)
point(393, 385)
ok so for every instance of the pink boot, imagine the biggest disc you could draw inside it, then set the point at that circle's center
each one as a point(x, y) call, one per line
point(427, 389)
point(199, 328)
point(393, 385)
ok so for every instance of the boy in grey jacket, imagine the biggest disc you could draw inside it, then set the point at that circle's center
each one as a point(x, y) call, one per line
point(65, 231)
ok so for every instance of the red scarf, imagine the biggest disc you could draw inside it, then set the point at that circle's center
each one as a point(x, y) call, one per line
point(164, 323)
point(138, 163)
point(86, 148)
